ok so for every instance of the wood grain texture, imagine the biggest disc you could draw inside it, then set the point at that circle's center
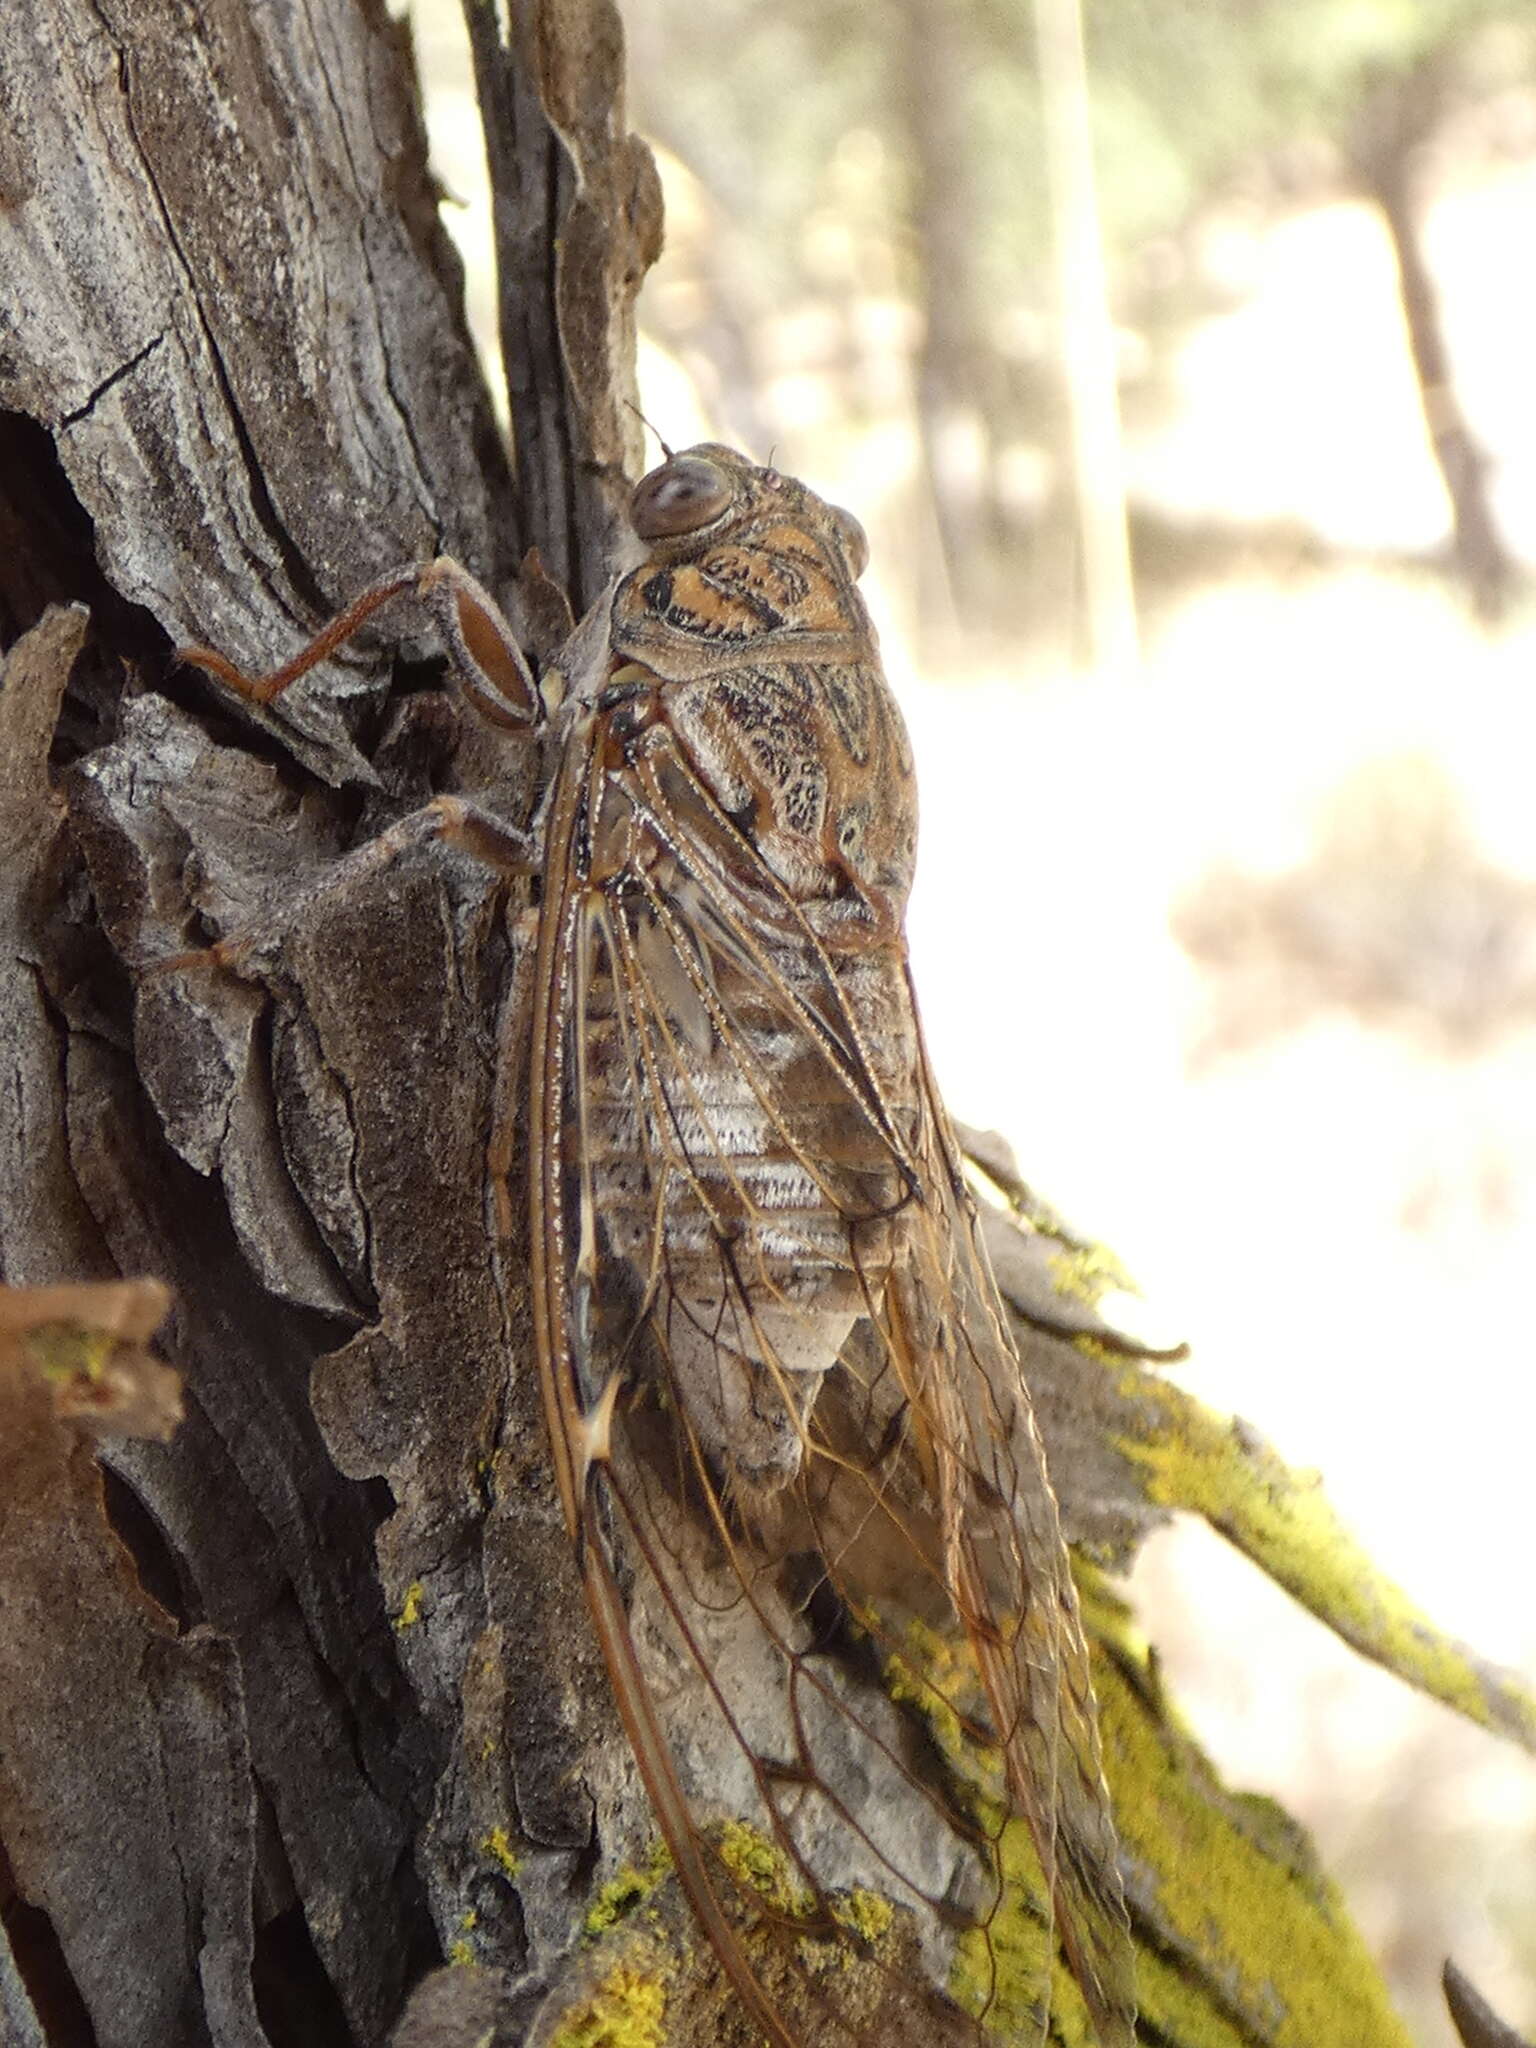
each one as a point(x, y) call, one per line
point(571, 254)
point(313, 1656)
point(231, 307)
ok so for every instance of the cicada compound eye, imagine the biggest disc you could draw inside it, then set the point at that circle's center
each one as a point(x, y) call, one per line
point(854, 539)
point(686, 493)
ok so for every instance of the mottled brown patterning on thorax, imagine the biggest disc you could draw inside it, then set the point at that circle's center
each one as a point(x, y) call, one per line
point(776, 694)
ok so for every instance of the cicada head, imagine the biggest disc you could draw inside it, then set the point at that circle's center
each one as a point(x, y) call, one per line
point(708, 494)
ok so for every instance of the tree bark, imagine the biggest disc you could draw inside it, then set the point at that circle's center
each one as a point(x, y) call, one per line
point(265, 1750)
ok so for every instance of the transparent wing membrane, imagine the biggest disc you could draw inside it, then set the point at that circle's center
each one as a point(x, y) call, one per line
point(829, 1499)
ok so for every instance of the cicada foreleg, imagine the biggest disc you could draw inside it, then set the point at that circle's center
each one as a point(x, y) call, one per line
point(497, 681)
point(490, 665)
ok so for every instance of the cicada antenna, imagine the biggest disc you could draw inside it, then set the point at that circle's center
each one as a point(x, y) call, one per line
point(640, 416)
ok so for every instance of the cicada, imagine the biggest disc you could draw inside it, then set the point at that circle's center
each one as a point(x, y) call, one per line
point(787, 1421)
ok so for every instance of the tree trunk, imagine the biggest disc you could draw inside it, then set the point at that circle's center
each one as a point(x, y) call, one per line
point(1398, 121)
point(264, 1753)
point(1086, 343)
point(933, 61)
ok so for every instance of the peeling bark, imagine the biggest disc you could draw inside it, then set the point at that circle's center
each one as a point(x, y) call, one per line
point(271, 1689)
point(579, 226)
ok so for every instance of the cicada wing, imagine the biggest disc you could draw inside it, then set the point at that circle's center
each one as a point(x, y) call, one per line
point(578, 1401)
point(969, 1511)
point(755, 1260)
point(1012, 1582)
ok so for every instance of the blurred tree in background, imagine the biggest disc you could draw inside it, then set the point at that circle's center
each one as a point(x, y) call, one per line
point(884, 172)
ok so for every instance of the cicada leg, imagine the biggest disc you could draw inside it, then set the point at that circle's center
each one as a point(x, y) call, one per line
point(497, 682)
point(490, 665)
point(447, 820)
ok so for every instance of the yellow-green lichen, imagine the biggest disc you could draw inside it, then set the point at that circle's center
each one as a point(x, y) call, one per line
point(1087, 1272)
point(929, 1672)
point(1095, 1348)
point(498, 1846)
point(626, 2010)
point(1186, 2011)
point(460, 1953)
point(469, 1921)
point(761, 1866)
point(1106, 1618)
point(1218, 1468)
point(411, 1605)
point(864, 1913)
point(861, 1914)
point(1249, 1943)
point(627, 1889)
point(1004, 1972)
point(1240, 1942)
point(68, 1351)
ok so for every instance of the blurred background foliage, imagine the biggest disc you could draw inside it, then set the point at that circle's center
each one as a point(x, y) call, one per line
point(858, 201)
point(1238, 947)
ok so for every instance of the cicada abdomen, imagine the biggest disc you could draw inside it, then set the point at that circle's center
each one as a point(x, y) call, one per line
point(772, 1354)
point(756, 1257)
